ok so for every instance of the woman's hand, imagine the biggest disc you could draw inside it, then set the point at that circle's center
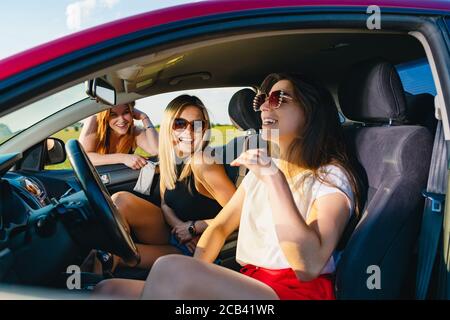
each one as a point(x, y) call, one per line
point(192, 244)
point(181, 232)
point(139, 115)
point(134, 161)
point(258, 162)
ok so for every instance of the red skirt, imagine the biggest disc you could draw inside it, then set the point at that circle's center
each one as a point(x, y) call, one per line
point(286, 285)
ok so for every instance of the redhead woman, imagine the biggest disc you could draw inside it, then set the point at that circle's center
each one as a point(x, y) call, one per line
point(111, 137)
point(193, 187)
point(291, 208)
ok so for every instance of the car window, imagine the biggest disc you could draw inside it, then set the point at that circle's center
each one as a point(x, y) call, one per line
point(19, 120)
point(215, 99)
point(416, 77)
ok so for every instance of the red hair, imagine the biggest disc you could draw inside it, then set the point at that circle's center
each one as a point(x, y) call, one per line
point(127, 142)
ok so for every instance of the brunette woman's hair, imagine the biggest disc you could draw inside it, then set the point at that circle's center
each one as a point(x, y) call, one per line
point(321, 140)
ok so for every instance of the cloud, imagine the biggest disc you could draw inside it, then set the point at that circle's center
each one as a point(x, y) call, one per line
point(109, 3)
point(78, 11)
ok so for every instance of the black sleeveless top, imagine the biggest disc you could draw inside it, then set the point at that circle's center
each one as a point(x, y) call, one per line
point(190, 205)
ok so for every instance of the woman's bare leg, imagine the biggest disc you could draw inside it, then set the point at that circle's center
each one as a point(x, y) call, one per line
point(181, 277)
point(148, 224)
point(119, 289)
point(143, 217)
point(132, 289)
point(150, 253)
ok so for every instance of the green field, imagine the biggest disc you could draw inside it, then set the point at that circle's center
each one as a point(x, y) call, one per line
point(220, 134)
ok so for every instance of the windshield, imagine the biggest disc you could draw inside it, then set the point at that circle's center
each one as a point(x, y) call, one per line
point(22, 119)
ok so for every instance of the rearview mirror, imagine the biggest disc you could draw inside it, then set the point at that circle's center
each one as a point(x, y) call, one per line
point(103, 91)
point(55, 151)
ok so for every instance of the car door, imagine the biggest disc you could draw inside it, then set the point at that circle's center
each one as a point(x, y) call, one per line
point(442, 277)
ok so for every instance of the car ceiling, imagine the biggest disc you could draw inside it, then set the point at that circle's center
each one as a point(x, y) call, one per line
point(246, 62)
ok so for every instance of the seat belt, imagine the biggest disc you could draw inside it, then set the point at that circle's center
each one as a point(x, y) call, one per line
point(431, 229)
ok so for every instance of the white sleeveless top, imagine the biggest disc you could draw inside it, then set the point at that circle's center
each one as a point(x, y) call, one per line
point(257, 241)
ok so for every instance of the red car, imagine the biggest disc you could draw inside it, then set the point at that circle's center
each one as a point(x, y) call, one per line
point(397, 126)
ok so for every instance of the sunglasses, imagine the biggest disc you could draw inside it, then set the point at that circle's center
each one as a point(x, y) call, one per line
point(276, 98)
point(180, 124)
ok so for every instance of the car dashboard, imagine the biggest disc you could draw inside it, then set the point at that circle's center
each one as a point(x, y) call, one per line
point(41, 233)
point(29, 189)
point(20, 196)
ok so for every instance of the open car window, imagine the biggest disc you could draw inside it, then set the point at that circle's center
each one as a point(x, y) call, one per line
point(216, 101)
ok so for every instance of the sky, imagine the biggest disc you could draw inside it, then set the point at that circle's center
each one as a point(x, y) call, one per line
point(26, 24)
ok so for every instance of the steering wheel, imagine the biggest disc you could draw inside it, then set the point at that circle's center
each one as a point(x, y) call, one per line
point(119, 240)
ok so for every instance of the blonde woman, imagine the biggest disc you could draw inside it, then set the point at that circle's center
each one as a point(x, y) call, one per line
point(111, 137)
point(193, 188)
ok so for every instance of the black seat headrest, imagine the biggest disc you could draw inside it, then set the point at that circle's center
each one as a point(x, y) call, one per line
point(373, 92)
point(241, 111)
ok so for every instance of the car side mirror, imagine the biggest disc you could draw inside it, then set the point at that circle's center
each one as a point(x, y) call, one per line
point(55, 151)
point(101, 90)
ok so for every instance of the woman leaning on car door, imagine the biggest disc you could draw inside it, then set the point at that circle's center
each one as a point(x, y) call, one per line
point(111, 137)
point(291, 209)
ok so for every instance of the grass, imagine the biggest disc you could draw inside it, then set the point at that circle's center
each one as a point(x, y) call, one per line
point(220, 134)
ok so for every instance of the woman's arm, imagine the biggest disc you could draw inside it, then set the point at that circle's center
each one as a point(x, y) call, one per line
point(179, 227)
point(213, 178)
point(307, 245)
point(169, 215)
point(146, 138)
point(133, 161)
point(88, 135)
point(219, 228)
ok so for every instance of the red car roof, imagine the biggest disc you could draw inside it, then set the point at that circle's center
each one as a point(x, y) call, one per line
point(83, 39)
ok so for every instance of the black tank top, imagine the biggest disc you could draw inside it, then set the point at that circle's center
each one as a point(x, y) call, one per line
point(190, 205)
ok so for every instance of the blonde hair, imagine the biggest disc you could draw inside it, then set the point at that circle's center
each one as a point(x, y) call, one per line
point(167, 156)
point(126, 144)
